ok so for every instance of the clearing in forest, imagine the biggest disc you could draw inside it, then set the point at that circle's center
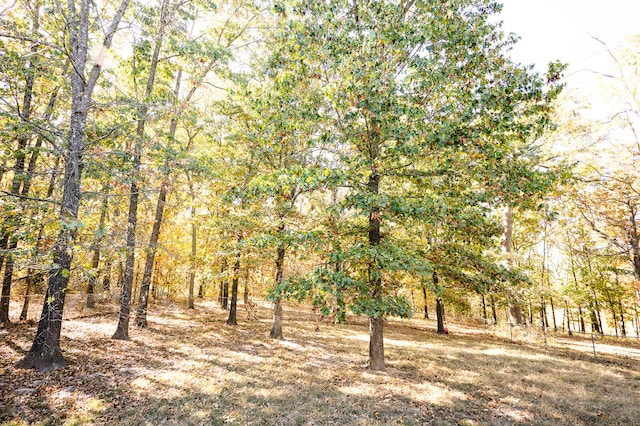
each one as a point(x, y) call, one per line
point(189, 367)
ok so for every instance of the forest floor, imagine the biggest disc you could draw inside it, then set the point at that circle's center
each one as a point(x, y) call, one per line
point(189, 368)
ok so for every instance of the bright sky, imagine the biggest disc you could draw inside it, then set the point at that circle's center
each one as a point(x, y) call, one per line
point(563, 29)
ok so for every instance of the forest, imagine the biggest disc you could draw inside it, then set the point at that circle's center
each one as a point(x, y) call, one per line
point(379, 164)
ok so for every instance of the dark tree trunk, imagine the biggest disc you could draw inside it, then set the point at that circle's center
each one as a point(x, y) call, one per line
point(201, 290)
point(439, 304)
point(276, 329)
point(582, 326)
point(192, 270)
point(484, 310)
point(376, 323)
point(595, 325)
point(568, 316)
point(426, 308)
point(341, 308)
point(553, 313)
point(494, 314)
point(224, 285)
point(232, 320)
point(7, 280)
point(106, 280)
point(440, 315)
point(376, 344)
point(516, 313)
point(95, 260)
point(45, 354)
point(143, 297)
point(623, 328)
point(122, 331)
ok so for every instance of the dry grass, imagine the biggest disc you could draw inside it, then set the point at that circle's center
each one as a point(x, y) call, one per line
point(190, 368)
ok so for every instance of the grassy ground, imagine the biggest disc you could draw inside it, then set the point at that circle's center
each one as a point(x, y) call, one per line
point(190, 368)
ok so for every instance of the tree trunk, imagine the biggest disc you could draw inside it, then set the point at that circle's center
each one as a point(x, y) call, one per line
point(543, 313)
point(623, 328)
point(376, 322)
point(192, 271)
point(494, 314)
point(232, 320)
point(276, 329)
point(516, 313)
point(45, 354)
point(122, 331)
point(583, 329)
point(106, 279)
point(440, 315)
point(376, 344)
point(224, 285)
point(553, 313)
point(95, 260)
point(568, 316)
point(143, 297)
point(426, 309)
point(484, 310)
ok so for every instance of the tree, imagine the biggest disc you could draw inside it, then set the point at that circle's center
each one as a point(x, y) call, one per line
point(45, 354)
point(414, 94)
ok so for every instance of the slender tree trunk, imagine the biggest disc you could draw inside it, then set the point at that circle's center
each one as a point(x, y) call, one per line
point(341, 309)
point(276, 329)
point(440, 315)
point(568, 316)
point(245, 296)
point(122, 330)
point(192, 271)
point(143, 297)
point(484, 310)
point(224, 285)
point(426, 309)
point(376, 322)
point(45, 354)
point(553, 313)
point(583, 329)
point(232, 319)
point(516, 313)
point(494, 314)
point(106, 279)
point(95, 260)
point(623, 328)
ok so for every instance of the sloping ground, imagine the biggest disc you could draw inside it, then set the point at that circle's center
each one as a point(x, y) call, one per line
point(190, 368)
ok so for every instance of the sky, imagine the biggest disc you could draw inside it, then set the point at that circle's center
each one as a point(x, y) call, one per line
point(563, 29)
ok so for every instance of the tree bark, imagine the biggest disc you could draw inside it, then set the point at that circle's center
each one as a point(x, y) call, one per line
point(122, 330)
point(516, 312)
point(426, 309)
point(224, 285)
point(232, 320)
point(45, 354)
point(143, 296)
point(192, 270)
point(95, 259)
point(376, 321)
point(440, 315)
point(276, 329)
